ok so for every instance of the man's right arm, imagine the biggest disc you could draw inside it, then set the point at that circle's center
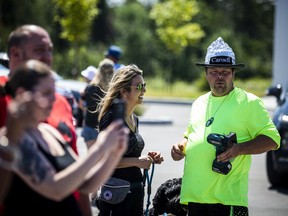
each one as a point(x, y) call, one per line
point(177, 151)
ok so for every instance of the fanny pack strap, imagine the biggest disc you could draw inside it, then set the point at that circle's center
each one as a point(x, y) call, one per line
point(149, 186)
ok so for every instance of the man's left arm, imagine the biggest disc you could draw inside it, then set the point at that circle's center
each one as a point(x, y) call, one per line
point(260, 144)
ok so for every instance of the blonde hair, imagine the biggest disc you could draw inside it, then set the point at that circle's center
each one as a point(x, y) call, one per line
point(121, 80)
point(104, 74)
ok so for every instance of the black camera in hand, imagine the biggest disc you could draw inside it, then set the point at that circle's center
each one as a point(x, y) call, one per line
point(118, 108)
point(222, 143)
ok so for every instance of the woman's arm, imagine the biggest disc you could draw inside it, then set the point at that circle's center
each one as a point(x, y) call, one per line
point(102, 171)
point(21, 113)
point(42, 177)
point(143, 162)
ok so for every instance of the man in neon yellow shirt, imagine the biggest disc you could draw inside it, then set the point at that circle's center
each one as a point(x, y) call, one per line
point(225, 110)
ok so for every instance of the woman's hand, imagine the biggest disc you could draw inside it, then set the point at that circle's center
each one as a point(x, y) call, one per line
point(156, 157)
point(145, 162)
point(24, 111)
point(114, 137)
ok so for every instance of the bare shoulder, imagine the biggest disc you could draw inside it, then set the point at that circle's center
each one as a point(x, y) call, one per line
point(48, 129)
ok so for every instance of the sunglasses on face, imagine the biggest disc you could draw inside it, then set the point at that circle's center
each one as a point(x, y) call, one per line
point(140, 86)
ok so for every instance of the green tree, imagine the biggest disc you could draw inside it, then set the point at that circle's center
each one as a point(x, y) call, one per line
point(175, 28)
point(178, 33)
point(246, 25)
point(75, 18)
point(14, 13)
point(102, 28)
point(135, 36)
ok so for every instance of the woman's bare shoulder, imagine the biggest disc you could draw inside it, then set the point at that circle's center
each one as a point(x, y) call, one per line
point(46, 128)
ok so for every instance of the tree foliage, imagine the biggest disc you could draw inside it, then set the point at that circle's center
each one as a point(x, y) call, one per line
point(135, 35)
point(76, 17)
point(174, 23)
point(164, 39)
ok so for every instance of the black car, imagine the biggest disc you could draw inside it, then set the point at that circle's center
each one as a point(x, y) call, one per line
point(277, 161)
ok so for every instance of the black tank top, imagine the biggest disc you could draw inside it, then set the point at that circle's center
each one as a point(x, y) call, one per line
point(22, 200)
point(92, 95)
point(135, 147)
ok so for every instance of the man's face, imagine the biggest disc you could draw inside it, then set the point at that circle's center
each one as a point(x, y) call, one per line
point(220, 80)
point(38, 46)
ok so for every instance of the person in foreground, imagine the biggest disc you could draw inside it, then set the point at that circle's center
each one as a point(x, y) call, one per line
point(226, 126)
point(128, 84)
point(34, 42)
point(49, 172)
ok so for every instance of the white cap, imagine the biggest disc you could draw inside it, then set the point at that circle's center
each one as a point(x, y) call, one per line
point(89, 72)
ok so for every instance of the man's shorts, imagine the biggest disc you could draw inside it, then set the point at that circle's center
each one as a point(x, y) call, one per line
point(199, 209)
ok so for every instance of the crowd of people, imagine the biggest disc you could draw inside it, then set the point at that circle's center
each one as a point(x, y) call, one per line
point(39, 162)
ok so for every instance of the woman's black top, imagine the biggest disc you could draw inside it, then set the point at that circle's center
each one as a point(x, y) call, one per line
point(23, 200)
point(135, 147)
point(92, 95)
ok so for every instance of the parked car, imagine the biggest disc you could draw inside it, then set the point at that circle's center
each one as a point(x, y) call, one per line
point(277, 161)
point(4, 71)
point(74, 88)
point(4, 59)
point(70, 90)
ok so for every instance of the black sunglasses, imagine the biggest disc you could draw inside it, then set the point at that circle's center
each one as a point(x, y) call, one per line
point(140, 86)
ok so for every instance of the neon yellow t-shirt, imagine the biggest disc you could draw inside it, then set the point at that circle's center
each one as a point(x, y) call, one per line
point(242, 113)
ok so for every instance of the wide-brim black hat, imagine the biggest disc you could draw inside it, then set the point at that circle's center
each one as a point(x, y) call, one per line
point(219, 54)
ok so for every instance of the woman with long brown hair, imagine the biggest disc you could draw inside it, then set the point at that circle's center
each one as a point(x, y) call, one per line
point(128, 85)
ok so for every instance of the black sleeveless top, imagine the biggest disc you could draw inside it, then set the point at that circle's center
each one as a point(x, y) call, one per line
point(22, 200)
point(92, 95)
point(135, 147)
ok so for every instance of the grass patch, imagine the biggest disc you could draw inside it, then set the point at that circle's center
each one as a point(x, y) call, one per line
point(256, 86)
point(157, 87)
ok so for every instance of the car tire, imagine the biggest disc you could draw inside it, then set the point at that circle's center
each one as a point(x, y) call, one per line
point(276, 179)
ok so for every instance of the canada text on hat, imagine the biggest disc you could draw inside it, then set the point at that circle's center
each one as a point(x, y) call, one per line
point(114, 51)
point(219, 54)
point(89, 72)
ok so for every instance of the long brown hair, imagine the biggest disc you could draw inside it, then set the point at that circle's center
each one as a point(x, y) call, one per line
point(122, 80)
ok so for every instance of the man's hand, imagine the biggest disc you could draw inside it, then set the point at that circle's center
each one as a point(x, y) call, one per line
point(177, 151)
point(229, 154)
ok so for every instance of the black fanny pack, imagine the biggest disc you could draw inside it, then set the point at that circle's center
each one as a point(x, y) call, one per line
point(114, 190)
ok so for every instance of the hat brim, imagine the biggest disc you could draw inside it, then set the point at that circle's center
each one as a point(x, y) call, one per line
point(238, 66)
point(85, 74)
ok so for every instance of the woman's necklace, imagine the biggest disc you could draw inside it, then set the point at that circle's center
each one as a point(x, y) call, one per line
point(211, 120)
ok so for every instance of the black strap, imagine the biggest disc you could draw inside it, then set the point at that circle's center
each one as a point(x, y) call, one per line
point(149, 186)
